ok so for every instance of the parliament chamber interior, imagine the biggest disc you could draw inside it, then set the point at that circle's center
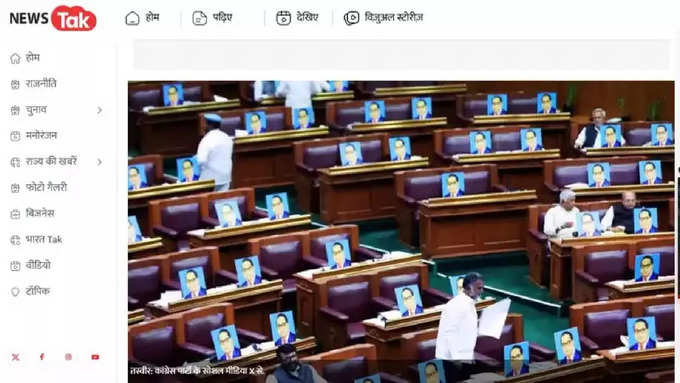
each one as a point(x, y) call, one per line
point(342, 216)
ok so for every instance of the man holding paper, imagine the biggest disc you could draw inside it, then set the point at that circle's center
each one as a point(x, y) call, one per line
point(457, 334)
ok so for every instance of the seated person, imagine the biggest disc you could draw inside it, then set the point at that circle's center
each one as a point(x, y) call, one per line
point(290, 370)
point(589, 136)
point(560, 220)
point(619, 217)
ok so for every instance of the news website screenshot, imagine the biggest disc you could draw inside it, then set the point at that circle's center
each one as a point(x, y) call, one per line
point(301, 191)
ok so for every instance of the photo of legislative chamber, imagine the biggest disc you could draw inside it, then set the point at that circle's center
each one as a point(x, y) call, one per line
point(338, 231)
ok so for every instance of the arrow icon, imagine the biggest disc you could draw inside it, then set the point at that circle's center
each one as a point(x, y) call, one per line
point(99, 110)
point(99, 161)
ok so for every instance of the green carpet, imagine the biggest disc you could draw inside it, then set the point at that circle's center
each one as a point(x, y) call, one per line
point(509, 271)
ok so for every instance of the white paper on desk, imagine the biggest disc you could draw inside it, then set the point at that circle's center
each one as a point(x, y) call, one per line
point(240, 133)
point(493, 319)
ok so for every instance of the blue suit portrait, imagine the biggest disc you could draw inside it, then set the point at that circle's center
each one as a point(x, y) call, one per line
point(141, 185)
point(238, 223)
point(486, 150)
point(345, 264)
point(552, 110)
point(407, 156)
point(596, 233)
point(604, 183)
point(523, 370)
point(359, 161)
point(284, 215)
point(195, 177)
point(652, 277)
point(650, 344)
point(576, 358)
point(291, 339)
point(656, 181)
point(459, 194)
point(652, 229)
point(418, 310)
point(668, 142)
point(538, 147)
point(235, 354)
point(256, 281)
point(201, 292)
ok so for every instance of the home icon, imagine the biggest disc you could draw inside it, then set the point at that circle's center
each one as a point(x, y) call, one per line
point(15, 58)
point(132, 18)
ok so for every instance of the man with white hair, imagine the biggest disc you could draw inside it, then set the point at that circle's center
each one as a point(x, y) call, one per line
point(589, 137)
point(560, 220)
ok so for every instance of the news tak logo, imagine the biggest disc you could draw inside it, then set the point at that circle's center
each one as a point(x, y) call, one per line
point(63, 18)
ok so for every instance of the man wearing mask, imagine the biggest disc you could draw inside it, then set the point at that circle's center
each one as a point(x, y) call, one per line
point(619, 217)
point(291, 370)
point(457, 334)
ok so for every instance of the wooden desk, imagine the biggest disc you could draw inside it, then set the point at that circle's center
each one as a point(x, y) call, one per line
point(174, 130)
point(560, 257)
point(588, 370)
point(136, 316)
point(483, 223)
point(233, 241)
point(366, 191)
point(308, 286)
point(516, 169)
point(420, 132)
point(388, 339)
point(252, 305)
point(630, 366)
point(554, 126)
point(145, 248)
point(266, 159)
point(138, 200)
point(639, 289)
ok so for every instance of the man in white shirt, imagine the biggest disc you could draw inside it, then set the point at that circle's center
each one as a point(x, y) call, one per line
point(214, 154)
point(560, 220)
point(457, 334)
point(299, 94)
point(589, 136)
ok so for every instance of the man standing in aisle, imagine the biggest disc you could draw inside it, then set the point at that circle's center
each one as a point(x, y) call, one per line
point(214, 154)
point(457, 334)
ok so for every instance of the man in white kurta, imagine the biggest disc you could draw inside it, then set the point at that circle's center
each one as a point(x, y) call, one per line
point(457, 334)
point(560, 220)
point(299, 94)
point(214, 154)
